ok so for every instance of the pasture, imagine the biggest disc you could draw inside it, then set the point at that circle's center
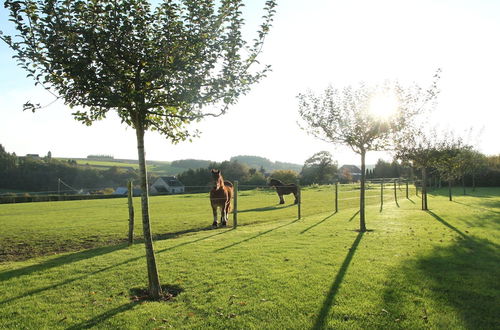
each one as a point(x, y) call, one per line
point(413, 269)
point(154, 167)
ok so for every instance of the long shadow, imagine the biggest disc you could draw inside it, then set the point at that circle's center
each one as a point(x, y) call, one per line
point(444, 222)
point(267, 208)
point(86, 254)
point(334, 288)
point(463, 275)
point(318, 223)
point(194, 241)
point(102, 317)
point(477, 207)
point(353, 216)
point(65, 259)
point(174, 234)
point(53, 286)
point(255, 236)
point(411, 200)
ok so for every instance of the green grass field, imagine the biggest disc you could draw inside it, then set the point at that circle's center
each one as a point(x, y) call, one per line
point(157, 168)
point(412, 270)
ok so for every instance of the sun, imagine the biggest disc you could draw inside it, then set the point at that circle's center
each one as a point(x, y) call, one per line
point(383, 106)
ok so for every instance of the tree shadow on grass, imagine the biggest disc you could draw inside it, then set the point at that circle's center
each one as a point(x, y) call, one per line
point(353, 216)
point(463, 276)
point(447, 224)
point(458, 191)
point(138, 294)
point(255, 236)
point(175, 234)
point(267, 208)
point(71, 280)
point(103, 317)
point(317, 223)
point(91, 253)
point(492, 204)
point(58, 261)
point(320, 322)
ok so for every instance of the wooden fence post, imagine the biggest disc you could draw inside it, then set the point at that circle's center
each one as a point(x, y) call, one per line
point(381, 194)
point(130, 213)
point(395, 193)
point(336, 197)
point(407, 196)
point(235, 205)
point(299, 193)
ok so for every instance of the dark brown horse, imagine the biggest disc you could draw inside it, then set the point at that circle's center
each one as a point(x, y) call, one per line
point(220, 196)
point(284, 189)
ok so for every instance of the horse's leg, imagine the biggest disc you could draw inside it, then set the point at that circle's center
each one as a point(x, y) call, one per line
point(224, 217)
point(282, 200)
point(214, 211)
point(296, 197)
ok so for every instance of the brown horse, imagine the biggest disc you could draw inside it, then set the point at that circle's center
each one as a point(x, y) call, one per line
point(220, 196)
point(284, 189)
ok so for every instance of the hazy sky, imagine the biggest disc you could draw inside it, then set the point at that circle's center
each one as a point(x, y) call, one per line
point(312, 44)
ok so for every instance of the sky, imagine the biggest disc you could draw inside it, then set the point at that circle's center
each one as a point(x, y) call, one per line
point(312, 44)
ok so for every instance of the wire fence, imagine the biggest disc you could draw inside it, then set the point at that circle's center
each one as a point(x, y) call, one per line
point(56, 226)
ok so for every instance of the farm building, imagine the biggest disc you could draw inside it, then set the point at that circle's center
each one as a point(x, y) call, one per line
point(167, 185)
point(349, 173)
point(124, 191)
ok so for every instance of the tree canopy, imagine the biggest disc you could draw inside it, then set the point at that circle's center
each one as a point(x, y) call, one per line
point(364, 117)
point(320, 168)
point(158, 68)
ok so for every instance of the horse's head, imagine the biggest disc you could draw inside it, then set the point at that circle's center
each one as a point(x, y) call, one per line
point(275, 183)
point(216, 175)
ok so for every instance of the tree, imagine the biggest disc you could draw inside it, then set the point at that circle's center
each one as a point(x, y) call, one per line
point(451, 159)
point(353, 116)
point(478, 164)
point(285, 176)
point(417, 148)
point(157, 68)
point(319, 168)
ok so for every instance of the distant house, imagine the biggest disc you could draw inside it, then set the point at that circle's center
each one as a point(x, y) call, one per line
point(123, 191)
point(167, 185)
point(349, 173)
point(33, 156)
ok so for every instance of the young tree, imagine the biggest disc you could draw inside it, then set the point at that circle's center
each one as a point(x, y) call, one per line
point(156, 67)
point(451, 159)
point(418, 149)
point(363, 117)
point(477, 164)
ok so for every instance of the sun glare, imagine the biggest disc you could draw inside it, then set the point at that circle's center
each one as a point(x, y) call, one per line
point(383, 105)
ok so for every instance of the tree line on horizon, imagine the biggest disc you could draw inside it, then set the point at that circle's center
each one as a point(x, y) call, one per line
point(41, 175)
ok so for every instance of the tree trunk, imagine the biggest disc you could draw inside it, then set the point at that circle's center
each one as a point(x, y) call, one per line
point(449, 189)
point(154, 280)
point(362, 224)
point(424, 189)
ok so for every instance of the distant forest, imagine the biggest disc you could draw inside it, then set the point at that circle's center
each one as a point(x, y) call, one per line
point(43, 174)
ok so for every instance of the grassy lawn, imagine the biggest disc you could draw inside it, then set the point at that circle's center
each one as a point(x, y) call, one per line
point(54, 227)
point(412, 270)
point(155, 167)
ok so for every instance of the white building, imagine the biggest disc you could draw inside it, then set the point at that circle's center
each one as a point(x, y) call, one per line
point(167, 185)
